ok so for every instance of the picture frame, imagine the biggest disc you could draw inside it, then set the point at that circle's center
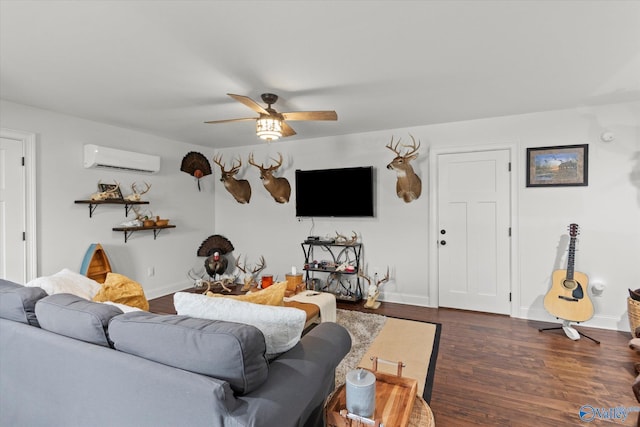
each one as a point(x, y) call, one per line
point(115, 195)
point(559, 166)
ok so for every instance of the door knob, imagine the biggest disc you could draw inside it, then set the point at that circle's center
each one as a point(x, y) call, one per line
point(443, 242)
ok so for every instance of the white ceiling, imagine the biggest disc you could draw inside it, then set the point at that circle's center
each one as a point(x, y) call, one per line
point(164, 67)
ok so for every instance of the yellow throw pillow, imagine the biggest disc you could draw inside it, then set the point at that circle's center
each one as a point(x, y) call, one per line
point(121, 289)
point(273, 295)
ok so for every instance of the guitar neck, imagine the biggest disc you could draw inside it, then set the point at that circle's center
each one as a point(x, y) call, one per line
point(571, 258)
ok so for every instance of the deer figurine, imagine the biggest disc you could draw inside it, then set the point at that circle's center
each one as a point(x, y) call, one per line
point(278, 187)
point(250, 278)
point(240, 189)
point(135, 195)
point(373, 290)
point(409, 185)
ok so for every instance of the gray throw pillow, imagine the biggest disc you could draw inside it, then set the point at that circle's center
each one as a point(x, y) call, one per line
point(228, 351)
point(18, 302)
point(76, 317)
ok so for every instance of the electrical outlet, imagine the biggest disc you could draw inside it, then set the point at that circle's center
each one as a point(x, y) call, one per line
point(151, 271)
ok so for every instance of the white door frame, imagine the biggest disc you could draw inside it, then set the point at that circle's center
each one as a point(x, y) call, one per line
point(434, 152)
point(28, 141)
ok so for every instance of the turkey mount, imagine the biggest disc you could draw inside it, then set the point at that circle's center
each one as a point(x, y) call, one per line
point(214, 248)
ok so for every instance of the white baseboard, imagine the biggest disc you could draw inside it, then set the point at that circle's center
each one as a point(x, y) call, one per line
point(597, 321)
point(168, 289)
point(399, 298)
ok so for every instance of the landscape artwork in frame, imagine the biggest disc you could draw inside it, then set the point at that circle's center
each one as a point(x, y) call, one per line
point(561, 166)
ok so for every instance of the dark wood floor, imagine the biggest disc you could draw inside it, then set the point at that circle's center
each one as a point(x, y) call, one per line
point(494, 370)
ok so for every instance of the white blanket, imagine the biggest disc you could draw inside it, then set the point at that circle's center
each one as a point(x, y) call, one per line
point(325, 301)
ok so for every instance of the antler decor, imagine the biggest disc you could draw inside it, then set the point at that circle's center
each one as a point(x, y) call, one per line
point(344, 240)
point(278, 187)
point(250, 278)
point(136, 195)
point(373, 291)
point(408, 185)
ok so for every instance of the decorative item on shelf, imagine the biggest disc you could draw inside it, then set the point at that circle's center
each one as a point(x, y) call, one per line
point(196, 165)
point(240, 189)
point(161, 222)
point(408, 184)
point(136, 195)
point(250, 278)
point(107, 192)
point(344, 240)
point(214, 248)
point(278, 187)
point(373, 291)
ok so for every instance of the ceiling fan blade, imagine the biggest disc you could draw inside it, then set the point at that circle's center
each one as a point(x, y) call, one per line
point(230, 120)
point(249, 103)
point(310, 115)
point(287, 130)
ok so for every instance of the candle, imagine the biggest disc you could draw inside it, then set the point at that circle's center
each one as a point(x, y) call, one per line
point(293, 271)
point(361, 392)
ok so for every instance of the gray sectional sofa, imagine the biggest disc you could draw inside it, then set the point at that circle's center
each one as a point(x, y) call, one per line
point(66, 361)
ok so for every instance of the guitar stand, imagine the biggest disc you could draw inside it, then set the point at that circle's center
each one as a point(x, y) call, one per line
point(566, 325)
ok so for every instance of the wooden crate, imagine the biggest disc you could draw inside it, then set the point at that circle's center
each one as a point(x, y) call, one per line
point(395, 396)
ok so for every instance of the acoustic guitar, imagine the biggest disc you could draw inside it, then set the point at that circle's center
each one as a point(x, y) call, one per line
point(568, 298)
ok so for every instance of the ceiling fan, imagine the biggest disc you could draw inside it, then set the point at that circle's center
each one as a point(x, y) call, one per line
point(271, 125)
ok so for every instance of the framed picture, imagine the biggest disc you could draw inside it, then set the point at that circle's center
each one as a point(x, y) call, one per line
point(113, 189)
point(562, 166)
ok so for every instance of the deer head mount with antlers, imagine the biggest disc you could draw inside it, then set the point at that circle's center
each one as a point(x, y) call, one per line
point(136, 195)
point(250, 277)
point(278, 187)
point(374, 289)
point(408, 185)
point(240, 189)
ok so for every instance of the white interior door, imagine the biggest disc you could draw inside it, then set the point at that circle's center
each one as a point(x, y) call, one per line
point(474, 231)
point(12, 211)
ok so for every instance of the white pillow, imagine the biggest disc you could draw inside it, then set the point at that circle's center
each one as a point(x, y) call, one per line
point(281, 326)
point(125, 308)
point(67, 282)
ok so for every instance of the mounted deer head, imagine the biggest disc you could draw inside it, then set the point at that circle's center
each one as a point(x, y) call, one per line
point(250, 278)
point(278, 187)
point(409, 185)
point(374, 289)
point(240, 189)
point(135, 195)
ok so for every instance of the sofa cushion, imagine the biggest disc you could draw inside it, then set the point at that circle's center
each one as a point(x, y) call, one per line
point(120, 289)
point(67, 282)
point(273, 295)
point(228, 351)
point(281, 326)
point(18, 302)
point(75, 317)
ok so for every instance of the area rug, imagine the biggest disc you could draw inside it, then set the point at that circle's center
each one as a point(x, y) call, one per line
point(413, 343)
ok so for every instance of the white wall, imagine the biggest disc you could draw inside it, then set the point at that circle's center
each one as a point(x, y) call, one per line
point(65, 230)
point(607, 210)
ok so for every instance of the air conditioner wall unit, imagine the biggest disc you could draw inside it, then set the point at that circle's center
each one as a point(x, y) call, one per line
point(96, 156)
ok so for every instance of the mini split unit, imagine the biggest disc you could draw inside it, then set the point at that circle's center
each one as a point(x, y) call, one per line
point(96, 156)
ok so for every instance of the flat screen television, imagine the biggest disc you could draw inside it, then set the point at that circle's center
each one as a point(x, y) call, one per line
point(344, 192)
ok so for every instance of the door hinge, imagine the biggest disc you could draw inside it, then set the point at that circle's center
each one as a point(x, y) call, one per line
point(509, 166)
point(509, 231)
point(22, 160)
point(24, 236)
point(509, 296)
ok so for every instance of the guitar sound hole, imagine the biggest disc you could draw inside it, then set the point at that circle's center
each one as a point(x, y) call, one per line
point(569, 284)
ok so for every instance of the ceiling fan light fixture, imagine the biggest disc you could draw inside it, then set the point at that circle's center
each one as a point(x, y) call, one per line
point(269, 128)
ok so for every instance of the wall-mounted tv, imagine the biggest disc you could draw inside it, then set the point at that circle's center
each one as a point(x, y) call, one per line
point(344, 192)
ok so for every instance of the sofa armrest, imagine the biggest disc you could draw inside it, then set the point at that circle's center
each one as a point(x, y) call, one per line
point(299, 380)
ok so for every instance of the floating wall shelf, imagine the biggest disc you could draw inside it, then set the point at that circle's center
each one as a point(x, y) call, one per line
point(93, 204)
